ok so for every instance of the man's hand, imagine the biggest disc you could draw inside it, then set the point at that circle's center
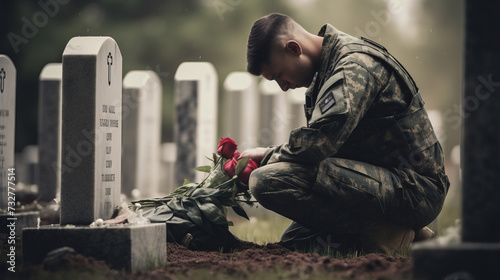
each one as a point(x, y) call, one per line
point(256, 154)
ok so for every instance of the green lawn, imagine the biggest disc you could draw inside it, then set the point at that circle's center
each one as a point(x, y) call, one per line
point(263, 227)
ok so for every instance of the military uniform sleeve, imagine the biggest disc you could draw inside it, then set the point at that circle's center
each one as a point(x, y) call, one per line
point(341, 103)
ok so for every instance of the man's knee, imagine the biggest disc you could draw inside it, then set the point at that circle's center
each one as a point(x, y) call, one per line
point(258, 182)
point(281, 181)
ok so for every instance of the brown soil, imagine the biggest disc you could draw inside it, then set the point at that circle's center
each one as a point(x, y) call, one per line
point(272, 257)
point(252, 262)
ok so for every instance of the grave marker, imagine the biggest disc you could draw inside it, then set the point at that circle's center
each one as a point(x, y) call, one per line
point(91, 130)
point(477, 254)
point(196, 122)
point(9, 175)
point(167, 174)
point(141, 133)
point(274, 116)
point(239, 112)
point(91, 166)
point(7, 125)
point(27, 165)
point(296, 99)
point(49, 132)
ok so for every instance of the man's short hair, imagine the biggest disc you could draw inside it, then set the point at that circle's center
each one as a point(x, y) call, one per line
point(261, 39)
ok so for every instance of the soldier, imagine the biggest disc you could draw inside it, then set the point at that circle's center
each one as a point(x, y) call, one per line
point(367, 171)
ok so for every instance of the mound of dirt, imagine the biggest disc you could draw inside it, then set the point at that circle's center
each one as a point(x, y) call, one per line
point(248, 263)
point(255, 258)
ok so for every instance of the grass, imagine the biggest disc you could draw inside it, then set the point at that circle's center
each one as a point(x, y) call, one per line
point(266, 226)
point(263, 227)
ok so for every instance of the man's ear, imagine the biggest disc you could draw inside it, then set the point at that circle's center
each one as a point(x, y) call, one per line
point(293, 47)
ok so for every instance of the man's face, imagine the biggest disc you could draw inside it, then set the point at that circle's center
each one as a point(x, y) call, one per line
point(288, 69)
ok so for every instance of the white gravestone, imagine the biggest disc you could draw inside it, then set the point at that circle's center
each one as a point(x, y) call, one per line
point(49, 132)
point(91, 130)
point(91, 167)
point(7, 126)
point(196, 121)
point(296, 100)
point(274, 117)
point(27, 166)
point(141, 133)
point(240, 113)
point(167, 174)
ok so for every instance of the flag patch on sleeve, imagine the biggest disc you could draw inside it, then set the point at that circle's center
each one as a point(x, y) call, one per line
point(327, 103)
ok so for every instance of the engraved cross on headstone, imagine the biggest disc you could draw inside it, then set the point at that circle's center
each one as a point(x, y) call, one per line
point(2, 80)
point(110, 62)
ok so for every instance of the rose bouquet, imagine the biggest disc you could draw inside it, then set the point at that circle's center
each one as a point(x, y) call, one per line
point(196, 213)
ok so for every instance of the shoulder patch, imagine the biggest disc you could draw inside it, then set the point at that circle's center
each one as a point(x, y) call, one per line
point(327, 103)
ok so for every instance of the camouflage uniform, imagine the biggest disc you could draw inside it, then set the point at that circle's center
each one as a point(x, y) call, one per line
point(368, 154)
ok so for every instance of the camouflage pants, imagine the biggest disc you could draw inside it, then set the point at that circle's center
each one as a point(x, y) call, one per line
point(341, 196)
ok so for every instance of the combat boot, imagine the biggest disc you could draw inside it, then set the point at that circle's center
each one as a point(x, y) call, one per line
point(387, 238)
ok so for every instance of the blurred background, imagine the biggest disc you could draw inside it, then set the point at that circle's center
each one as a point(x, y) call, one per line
point(425, 35)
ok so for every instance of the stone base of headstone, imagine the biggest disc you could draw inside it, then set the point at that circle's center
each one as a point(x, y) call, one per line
point(21, 220)
point(129, 247)
point(464, 260)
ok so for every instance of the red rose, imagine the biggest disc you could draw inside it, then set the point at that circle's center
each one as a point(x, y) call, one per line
point(230, 168)
point(236, 154)
point(226, 147)
point(251, 166)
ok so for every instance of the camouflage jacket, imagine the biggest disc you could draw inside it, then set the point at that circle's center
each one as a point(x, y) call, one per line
point(361, 107)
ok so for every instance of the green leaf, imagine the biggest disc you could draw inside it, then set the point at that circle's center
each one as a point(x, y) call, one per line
point(240, 211)
point(175, 204)
point(205, 168)
point(182, 190)
point(212, 212)
point(186, 181)
point(240, 166)
point(204, 192)
point(193, 212)
point(226, 201)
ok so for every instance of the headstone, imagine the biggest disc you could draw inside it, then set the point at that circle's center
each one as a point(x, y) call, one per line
point(7, 128)
point(274, 116)
point(28, 165)
point(12, 221)
point(167, 174)
point(141, 134)
point(91, 130)
point(132, 248)
point(240, 112)
point(296, 99)
point(91, 166)
point(477, 255)
point(49, 132)
point(196, 122)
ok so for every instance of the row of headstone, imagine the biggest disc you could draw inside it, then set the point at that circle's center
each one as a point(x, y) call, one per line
point(71, 137)
point(252, 114)
point(141, 115)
